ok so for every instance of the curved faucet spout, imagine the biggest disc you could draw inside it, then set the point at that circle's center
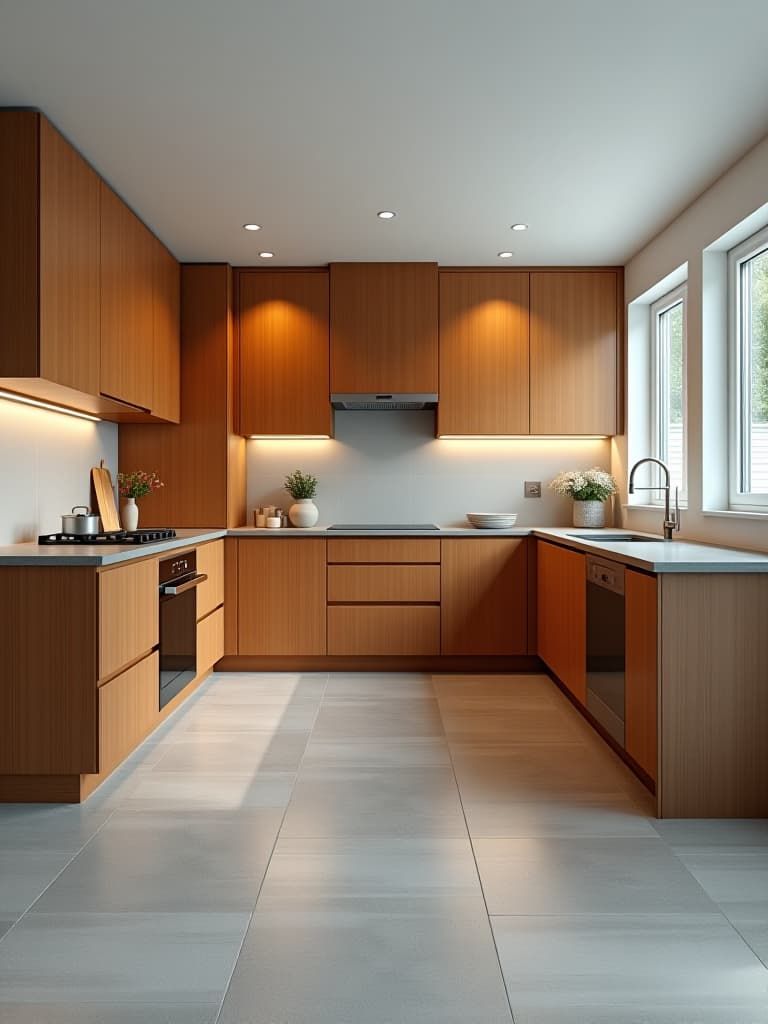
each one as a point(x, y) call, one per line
point(640, 463)
point(671, 520)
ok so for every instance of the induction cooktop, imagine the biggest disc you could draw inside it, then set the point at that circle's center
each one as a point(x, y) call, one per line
point(383, 526)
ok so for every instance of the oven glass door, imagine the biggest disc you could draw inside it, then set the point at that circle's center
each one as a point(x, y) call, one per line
point(178, 643)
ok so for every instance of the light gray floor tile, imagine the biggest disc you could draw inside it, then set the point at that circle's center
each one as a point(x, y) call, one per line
point(526, 725)
point(167, 862)
point(50, 827)
point(375, 801)
point(106, 1013)
point(573, 814)
point(377, 718)
point(733, 874)
point(298, 716)
point(178, 791)
point(493, 686)
point(6, 922)
point(369, 874)
point(542, 875)
point(25, 874)
point(713, 831)
point(359, 968)
point(376, 752)
point(663, 968)
point(265, 687)
point(119, 958)
point(378, 685)
point(240, 752)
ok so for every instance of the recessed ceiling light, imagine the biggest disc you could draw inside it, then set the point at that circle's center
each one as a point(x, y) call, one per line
point(386, 214)
point(252, 227)
point(266, 255)
point(506, 255)
point(519, 227)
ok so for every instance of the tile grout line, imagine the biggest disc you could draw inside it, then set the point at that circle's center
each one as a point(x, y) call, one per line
point(236, 960)
point(474, 858)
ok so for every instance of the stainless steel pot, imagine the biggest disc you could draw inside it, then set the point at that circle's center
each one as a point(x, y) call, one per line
point(80, 522)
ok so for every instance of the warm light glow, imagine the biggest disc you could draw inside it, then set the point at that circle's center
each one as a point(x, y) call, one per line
point(266, 255)
point(252, 227)
point(289, 437)
point(506, 255)
point(386, 214)
point(519, 227)
point(9, 396)
point(523, 437)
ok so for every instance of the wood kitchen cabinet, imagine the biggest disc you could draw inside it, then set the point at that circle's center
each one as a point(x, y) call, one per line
point(284, 352)
point(484, 596)
point(384, 324)
point(483, 353)
point(574, 351)
point(562, 615)
point(641, 656)
point(166, 333)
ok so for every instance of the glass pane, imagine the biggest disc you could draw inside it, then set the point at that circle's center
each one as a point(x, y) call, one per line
point(671, 403)
point(757, 339)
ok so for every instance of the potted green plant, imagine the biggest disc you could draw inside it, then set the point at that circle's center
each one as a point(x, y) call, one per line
point(590, 489)
point(302, 487)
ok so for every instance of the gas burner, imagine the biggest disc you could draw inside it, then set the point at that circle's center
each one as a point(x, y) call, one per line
point(110, 537)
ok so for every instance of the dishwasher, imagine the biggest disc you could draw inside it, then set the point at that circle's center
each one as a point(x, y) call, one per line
point(605, 645)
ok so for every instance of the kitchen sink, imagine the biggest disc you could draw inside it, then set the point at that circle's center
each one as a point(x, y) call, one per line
point(614, 538)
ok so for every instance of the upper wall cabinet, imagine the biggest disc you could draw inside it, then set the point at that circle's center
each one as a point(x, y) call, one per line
point(283, 331)
point(483, 353)
point(384, 327)
point(574, 332)
point(166, 400)
point(80, 283)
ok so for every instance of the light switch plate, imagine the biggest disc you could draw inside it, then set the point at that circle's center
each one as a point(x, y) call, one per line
point(532, 488)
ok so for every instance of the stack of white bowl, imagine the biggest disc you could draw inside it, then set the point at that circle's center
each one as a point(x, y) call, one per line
point(492, 520)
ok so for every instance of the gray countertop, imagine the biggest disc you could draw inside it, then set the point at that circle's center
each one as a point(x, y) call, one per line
point(655, 555)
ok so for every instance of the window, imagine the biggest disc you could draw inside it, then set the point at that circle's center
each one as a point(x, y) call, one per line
point(748, 294)
point(668, 374)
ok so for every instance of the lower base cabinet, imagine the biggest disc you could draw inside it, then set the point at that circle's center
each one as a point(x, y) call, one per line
point(127, 712)
point(562, 615)
point(384, 629)
point(210, 640)
point(640, 679)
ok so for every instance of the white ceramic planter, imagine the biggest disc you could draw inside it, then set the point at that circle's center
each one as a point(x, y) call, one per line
point(589, 514)
point(303, 513)
point(130, 515)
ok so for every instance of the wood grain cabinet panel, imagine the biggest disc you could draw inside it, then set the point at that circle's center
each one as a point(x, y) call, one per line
point(210, 560)
point(384, 584)
point(484, 596)
point(166, 330)
point(562, 615)
point(127, 304)
point(210, 640)
point(128, 614)
point(641, 656)
point(385, 549)
point(574, 338)
point(284, 353)
point(384, 320)
point(483, 353)
point(394, 629)
point(281, 596)
point(128, 711)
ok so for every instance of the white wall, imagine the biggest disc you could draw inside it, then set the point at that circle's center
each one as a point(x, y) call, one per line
point(45, 464)
point(739, 197)
point(389, 467)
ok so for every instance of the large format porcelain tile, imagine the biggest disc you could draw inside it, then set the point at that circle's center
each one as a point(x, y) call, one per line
point(107, 1013)
point(375, 801)
point(494, 687)
point(266, 687)
point(353, 967)
point(376, 718)
point(370, 874)
point(544, 725)
point(545, 875)
point(373, 752)
point(239, 752)
point(298, 716)
point(659, 968)
point(378, 686)
point(200, 791)
point(61, 959)
point(713, 831)
point(25, 875)
point(6, 922)
point(573, 814)
point(168, 862)
point(51, 827)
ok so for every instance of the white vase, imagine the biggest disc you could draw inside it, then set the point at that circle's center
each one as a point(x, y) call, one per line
point(130, 514)
point(590, 514)
point(303, 513)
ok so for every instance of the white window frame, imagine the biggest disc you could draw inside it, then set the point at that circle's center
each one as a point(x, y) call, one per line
point(676, 297)
point(738, 452)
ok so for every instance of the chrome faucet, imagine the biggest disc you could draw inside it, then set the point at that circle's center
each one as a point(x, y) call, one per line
point(671, 519)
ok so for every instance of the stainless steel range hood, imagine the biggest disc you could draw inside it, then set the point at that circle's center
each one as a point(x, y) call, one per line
point(383, 401)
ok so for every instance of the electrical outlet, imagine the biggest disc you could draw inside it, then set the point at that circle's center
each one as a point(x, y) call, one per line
point(532, 488)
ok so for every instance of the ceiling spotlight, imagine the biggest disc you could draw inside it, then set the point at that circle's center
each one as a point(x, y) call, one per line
point(266, 255)
point(506, 255)
point(519, 227)
point(386, 214)
point(252, 227)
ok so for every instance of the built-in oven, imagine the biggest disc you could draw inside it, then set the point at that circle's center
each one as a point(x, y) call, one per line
point(605, 645)
point(179, 580)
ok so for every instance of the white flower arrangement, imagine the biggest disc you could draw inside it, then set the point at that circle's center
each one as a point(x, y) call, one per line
point(585, 484)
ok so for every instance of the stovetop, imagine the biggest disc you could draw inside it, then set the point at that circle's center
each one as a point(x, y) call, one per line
point(111, 537)
point(383, 526)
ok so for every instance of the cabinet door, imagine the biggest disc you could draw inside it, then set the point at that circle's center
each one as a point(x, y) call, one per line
point(562, 615)
point(574, 329)
point(383, 629)
point(483, 353)
point(70, 327)
point(281, 596)
point(128, 614)
point(641, 625)
point(284, 376)
point(128, 711)
point(384, 327)
point(484, 596)
point(210, 560)
point(127, 304)
point(166, 335)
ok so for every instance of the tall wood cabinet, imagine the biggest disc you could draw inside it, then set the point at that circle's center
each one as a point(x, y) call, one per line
point(284, 352)
point(562, 615)
point(641, 682)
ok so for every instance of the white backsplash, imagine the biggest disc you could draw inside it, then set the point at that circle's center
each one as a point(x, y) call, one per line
point(45, 465)
point(389, 467)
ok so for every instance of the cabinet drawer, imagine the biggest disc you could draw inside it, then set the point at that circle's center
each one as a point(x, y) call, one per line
point(210, 640)
point(383, 629)
point(382, 550)
point(128, 711)
point(128, 614)
point(384, 583)
point(210, 560)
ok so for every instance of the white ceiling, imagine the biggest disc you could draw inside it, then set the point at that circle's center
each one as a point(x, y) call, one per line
point(595, 121)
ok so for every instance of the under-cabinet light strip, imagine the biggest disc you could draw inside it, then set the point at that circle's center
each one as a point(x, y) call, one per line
point(50, 406)
point(523, 437)
point(289, 437)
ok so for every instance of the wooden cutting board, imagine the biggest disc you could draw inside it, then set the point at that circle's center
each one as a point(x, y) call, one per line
point(105, 497)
